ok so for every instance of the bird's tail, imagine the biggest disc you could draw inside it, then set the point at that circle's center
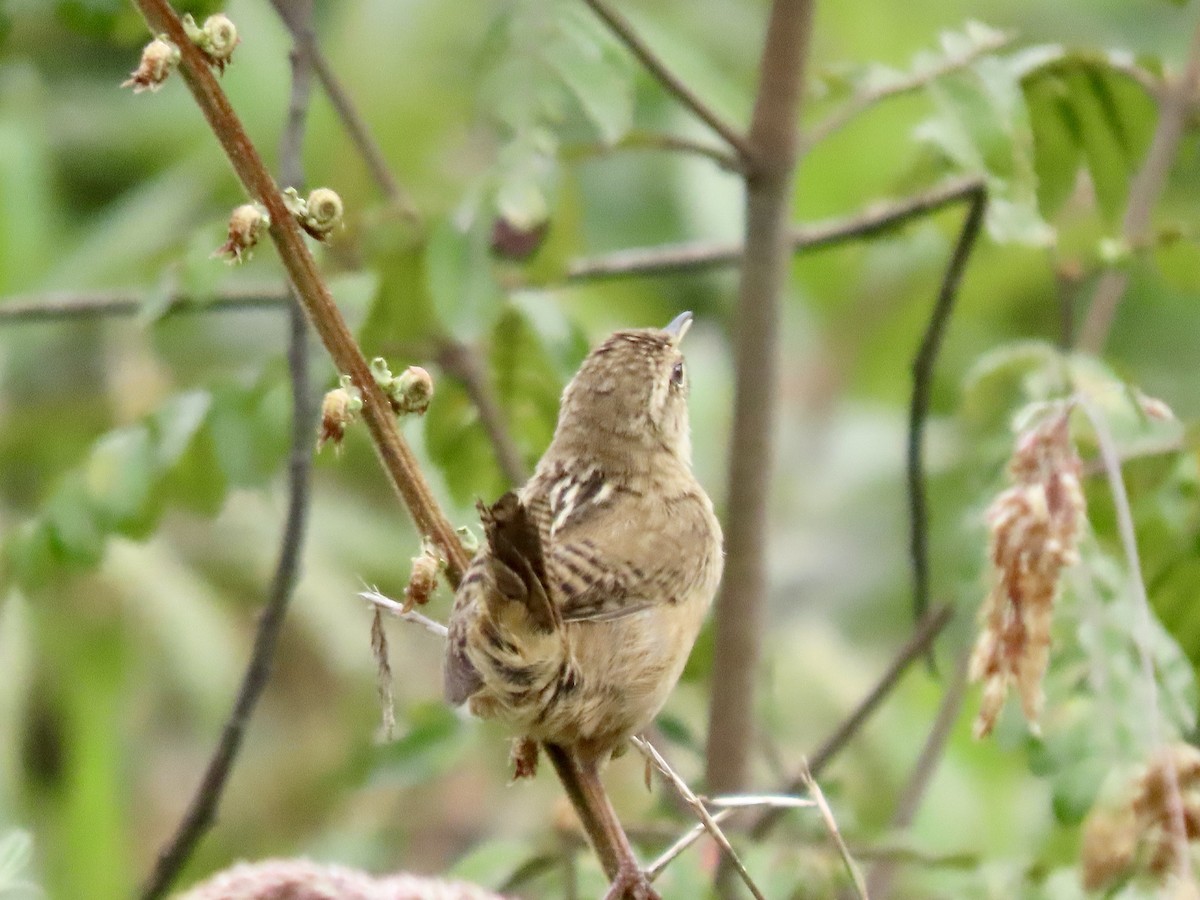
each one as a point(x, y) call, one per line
point(517, 564)
point(518, 644)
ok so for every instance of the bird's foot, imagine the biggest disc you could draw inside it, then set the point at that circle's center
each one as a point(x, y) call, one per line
point(631, 883)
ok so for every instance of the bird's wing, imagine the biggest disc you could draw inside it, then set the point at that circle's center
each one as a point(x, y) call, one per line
point(620, 553)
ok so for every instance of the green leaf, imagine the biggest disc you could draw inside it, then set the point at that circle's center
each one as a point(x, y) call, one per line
point(120, 477)
point(429, 747)
point(983, 127)
point(187, 453)
point(458, 276)
point(77, 533)
point(1087, 108)
point(459, 447)
point(250, 430)
point(527, 384)
point(594, 70)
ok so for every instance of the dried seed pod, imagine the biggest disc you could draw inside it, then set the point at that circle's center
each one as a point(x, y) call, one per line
point(426, 567)
point(1034, 528)
point(158, 58)
point(247, 224)
point(338, 410)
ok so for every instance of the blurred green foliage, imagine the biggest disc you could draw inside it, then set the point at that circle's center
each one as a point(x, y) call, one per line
point(141, 457)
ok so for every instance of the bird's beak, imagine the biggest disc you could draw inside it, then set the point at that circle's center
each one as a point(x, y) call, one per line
point(679, 327)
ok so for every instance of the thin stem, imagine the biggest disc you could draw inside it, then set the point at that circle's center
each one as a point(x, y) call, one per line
point(880, 879)
point(864, 100)
point(923, 366)
point(926, 632)
point(387, 604)
point(202, 809)
point(397, 458)
point(831, 826)
point(1143, 629)
point(56, 307)
point(740, 607)
point(346, 110)
point(1144, 192)
point(694, 256)
point(460, 362)
point(653, 63)
point(706, 818)
point(651, 140)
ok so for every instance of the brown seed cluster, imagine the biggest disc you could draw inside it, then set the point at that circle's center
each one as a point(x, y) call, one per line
point(1034, 528)
point(1141, 833)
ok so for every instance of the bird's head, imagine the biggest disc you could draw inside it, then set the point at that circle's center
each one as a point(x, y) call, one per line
point(630, 396)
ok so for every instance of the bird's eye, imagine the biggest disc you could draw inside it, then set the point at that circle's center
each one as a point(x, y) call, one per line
point(677, 374)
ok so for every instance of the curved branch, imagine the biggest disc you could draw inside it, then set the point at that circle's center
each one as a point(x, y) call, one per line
point(918, 412)
point(624, 30)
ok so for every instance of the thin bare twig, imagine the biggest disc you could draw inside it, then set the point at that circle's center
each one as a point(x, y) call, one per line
point(730, 806)
point(926, 632)
point(653, 63)
point(740, 606)
point(923, 366)
point(882, 873)
point(651, 140)
point(864, 100)
point(818, 795)
point(346, 110)
point(458, 361)
point(1144, 190)
point(408, 615)
point(1144, 629)
point(695, 256)
point(59, 306)
point(706, 818)
point(202, 809)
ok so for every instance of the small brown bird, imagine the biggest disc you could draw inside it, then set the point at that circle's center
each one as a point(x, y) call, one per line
point(574, 620)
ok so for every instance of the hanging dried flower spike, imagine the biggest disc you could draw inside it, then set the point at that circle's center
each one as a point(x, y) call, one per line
point(1034, 528)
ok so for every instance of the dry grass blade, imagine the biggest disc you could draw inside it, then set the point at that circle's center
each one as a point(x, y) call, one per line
point(383, 675)
point(708, 820)
point(818, 797)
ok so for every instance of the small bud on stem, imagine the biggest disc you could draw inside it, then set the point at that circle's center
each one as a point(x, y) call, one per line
point(158, 58)
point(247, 224)
point(216, 39)
point(319, 214)
point(338, 410)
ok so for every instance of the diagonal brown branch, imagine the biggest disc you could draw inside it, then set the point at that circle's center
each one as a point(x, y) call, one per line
point(927, 631)
point(624, 30)
point(394, 453)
